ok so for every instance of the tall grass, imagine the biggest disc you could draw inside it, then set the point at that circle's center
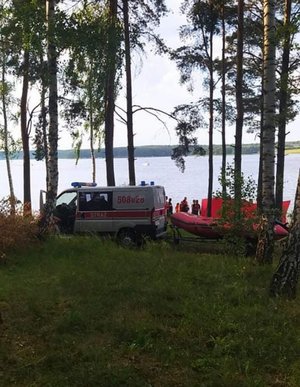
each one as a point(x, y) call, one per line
point(84, 312)
point(17, 231)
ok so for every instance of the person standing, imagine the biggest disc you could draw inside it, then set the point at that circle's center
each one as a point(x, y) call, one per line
point(184, 207)
point(198, 207)
point(194, 208)
point(170, 207)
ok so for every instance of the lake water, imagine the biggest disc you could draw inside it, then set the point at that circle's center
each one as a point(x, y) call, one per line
point(162, 170)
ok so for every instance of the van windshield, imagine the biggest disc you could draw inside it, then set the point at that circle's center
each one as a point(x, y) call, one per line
point(68, 198)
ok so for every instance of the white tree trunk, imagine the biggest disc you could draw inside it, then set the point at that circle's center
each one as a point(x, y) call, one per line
point(264, 253)
point(53, 114)
point(285, 278)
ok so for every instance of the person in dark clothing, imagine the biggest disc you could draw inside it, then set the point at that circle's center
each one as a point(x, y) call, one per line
point(184, 207)
point(195, 207)
point(170, 207)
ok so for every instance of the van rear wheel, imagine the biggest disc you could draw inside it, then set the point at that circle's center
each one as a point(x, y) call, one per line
point(127, 238)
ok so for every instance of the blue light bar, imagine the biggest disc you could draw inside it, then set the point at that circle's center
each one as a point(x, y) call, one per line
point(78, 184)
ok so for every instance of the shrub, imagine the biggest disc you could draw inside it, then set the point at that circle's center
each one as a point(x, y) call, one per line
point(17, 231)
point(238, 226)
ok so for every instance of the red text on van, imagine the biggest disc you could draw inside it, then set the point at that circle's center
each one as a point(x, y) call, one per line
point(127, 199)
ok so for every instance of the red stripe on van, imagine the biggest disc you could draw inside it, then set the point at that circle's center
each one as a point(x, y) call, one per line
point(159, 212)
point(112, 214)
point(130, 214)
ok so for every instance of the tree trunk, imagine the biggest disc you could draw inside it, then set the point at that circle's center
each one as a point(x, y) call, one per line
point(285, 279)
point(259, 180)
point(130, 135)
point(53, 114)
point(265, 247)
point(240, 112)
point(91, 123)
point(25, 136)
point(110, 94)
point(44, 116)
point(211, 126)
point(223, 91)
point(283, 105)
point(12, 198)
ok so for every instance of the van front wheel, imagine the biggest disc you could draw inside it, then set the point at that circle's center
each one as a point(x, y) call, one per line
point(127, 238)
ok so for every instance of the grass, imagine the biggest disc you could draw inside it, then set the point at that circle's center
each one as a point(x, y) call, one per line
point(292, 151)
point(84, 312)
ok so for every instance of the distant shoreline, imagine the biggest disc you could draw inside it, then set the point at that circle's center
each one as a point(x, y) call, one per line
point(157, 151)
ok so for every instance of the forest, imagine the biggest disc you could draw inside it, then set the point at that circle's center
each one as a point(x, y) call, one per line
point(73, 58)
point(154, 151)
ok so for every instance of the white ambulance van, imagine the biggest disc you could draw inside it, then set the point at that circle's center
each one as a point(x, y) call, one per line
point(127, 212)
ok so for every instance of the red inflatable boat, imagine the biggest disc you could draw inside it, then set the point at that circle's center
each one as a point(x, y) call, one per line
point(198, 225)
point(207, 227)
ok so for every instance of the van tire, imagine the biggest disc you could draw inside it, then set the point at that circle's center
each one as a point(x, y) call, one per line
point(127, 238)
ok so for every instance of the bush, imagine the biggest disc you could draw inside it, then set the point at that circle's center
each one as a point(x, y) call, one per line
point(238, 217)
point(17, 231)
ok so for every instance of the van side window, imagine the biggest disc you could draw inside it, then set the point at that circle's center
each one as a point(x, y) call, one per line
point(95, 201)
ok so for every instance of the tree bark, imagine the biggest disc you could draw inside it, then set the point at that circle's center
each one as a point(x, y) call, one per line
point(44, 123)
point(283, 104)
point(12, 198)
point(240, 112)
point(110, 94)
point(223, 91)
point(91, 123)
point(285, 279)
point(53, 114)
point(130, 135)
point(25, 136)
point(265, 247)
point(211, 122)
point(259, 180)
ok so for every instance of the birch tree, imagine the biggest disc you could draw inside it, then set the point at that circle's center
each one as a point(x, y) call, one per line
point(27, 37)
point(52, 173)
point(85, 76)
point(265, 246)
point(285, 279)
point(6, 90)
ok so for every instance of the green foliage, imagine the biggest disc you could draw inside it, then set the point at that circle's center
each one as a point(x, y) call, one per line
point(238, 218)
point(81, 311)
point(6, 139)
point(188, 119)
point(86, 71)
point(247, 184)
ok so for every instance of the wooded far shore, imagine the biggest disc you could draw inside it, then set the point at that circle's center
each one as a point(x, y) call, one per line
point(156, 151)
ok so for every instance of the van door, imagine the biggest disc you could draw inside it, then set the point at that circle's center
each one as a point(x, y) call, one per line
point(159, 216)
point(65, 210)
point(94, 211)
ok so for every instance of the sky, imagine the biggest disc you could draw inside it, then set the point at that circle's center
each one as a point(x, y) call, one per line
point(156, 84)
